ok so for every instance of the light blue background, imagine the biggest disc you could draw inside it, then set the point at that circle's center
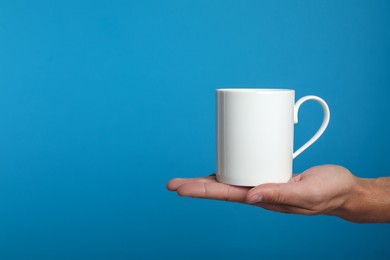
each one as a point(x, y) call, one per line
point(102, 102)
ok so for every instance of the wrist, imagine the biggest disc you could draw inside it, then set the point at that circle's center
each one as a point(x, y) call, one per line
point(367, 202)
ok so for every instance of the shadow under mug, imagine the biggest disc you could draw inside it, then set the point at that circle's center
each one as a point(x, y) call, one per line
point(255, 134)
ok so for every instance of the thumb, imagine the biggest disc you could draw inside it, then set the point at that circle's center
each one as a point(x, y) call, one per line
point(276, 193)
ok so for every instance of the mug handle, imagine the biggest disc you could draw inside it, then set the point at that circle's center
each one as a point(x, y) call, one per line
point(323, 126)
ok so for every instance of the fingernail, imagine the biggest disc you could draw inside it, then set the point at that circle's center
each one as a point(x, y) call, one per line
point(255, 198)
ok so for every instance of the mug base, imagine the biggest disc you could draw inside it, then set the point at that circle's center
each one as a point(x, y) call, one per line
point(247, 183)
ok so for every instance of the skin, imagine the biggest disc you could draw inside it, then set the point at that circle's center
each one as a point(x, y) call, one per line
point(329, 189)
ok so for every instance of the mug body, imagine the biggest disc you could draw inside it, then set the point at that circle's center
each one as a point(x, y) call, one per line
point(255, 135)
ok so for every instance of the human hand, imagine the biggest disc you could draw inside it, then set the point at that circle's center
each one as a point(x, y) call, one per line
point(328, 189)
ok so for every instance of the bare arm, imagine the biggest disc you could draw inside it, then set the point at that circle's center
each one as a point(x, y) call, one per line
point(369, 201)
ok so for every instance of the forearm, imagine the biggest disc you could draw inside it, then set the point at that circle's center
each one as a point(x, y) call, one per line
point(368, 202)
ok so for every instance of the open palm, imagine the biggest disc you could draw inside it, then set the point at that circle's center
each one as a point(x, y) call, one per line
point(318, 190)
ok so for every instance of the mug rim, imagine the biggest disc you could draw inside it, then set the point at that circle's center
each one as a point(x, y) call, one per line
point(253, 89)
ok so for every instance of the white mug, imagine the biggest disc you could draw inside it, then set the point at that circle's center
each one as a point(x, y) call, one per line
point(255, 135)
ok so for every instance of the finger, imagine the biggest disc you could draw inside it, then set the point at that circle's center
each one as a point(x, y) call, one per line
point(213, 190)
point(173, 184)
point(295, 178)
point(291, 193)
point(285, 208)
point(273, 207)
